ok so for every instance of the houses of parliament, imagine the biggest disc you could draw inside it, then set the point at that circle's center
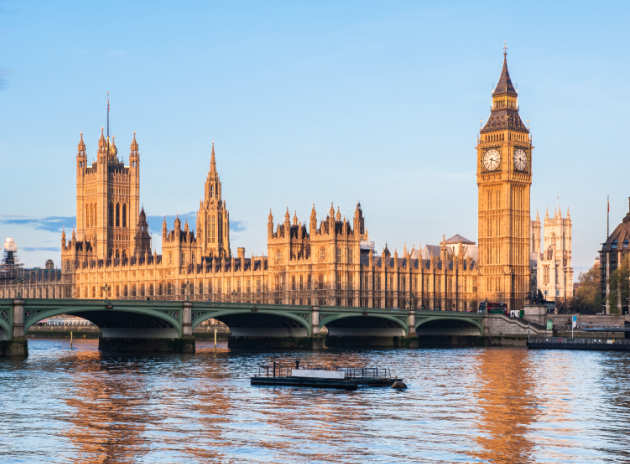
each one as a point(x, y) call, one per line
point(327, 259)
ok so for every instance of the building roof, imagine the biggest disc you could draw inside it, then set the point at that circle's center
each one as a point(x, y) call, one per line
point(503, 118)
point(620, 237)
point(457, 239)
point(504, 86)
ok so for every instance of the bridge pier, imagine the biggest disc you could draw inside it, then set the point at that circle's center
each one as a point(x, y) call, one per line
point(15, 346)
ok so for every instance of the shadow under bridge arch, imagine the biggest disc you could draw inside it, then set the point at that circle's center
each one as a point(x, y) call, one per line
point(260, 323)
point(445, 326)
point(364, 325)
point(118, 321)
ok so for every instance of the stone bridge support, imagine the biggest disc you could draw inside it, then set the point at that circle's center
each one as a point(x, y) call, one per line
point(134, 333)
point(14, 344)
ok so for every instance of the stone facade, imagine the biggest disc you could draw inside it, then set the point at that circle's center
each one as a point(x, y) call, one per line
point(615, 256)
point(552, 256)
point(323, 261)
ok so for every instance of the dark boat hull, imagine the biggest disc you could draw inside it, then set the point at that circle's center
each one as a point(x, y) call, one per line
point(306, 382)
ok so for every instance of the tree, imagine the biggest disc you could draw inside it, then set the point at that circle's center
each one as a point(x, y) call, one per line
point(587, 298)
point(619, 286)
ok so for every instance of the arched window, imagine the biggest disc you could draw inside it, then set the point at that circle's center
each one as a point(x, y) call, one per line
point(117, 214)
point(124, 215)
point(110, 215)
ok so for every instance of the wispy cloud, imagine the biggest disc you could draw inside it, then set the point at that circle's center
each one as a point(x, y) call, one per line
point(40, 248)
point(57, 223)
point(49, 223)
point(238, 226)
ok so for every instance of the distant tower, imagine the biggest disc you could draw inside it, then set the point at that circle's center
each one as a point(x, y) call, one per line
point(554, 266)
point(213, 219)
point(536, 230)
point(504, 177)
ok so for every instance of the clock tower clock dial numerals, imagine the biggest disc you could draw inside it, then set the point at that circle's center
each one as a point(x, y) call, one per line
point(520, 159)
point(492, 159)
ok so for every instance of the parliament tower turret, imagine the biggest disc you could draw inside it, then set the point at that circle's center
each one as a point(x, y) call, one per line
point(504, 177)
point(213, 219)
point(108, 195)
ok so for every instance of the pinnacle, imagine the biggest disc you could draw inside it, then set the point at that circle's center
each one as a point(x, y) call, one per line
point(504, 86)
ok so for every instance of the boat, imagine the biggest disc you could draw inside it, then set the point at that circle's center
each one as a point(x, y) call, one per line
point(346, 378)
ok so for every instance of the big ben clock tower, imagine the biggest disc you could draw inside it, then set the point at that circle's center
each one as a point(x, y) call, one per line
point(504, 177)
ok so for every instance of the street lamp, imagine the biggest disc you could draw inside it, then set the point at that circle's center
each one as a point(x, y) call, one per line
point(105, 289)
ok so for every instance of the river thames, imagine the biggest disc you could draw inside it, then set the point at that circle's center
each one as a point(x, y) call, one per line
point(462, 405)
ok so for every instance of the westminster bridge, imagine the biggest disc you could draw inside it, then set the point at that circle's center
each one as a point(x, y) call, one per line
point(167, 326)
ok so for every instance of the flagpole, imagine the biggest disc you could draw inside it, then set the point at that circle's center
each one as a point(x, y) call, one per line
point(607, 216)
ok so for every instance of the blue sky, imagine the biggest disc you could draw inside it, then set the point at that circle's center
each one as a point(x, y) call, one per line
point(378, 102)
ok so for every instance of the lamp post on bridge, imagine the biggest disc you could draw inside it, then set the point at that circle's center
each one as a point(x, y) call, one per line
point(105, 289)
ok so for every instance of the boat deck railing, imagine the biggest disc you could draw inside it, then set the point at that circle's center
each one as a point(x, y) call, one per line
point(278, 369)
point(366, 372)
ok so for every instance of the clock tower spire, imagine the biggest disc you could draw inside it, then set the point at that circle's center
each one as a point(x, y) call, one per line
point(504, 177)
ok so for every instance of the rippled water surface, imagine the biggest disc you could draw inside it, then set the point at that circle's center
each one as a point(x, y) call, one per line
point(464, 405)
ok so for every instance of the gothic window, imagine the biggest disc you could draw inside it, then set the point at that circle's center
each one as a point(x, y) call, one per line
point(322, 254)
point(213, 229)
point(117, 214)
point(338, 254)
point(110, 215)
point(124, 215)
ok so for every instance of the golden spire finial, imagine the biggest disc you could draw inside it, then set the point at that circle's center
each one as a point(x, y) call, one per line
point(134, 144)
point(505, 49)
point(213, 162)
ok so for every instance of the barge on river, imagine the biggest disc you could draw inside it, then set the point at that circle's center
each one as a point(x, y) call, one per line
point(346, 378)
point(592, 344)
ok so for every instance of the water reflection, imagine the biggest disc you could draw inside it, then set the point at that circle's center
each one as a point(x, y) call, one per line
point(108, 410)
point(505, 394)
point(478, 405)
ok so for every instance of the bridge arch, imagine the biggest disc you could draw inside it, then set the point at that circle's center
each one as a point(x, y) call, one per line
point(5, 329)
point(364, 325)
point(259, 323)
point(116, 318)
point(444, 325)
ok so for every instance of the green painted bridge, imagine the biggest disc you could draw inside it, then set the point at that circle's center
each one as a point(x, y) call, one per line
point(168, 325)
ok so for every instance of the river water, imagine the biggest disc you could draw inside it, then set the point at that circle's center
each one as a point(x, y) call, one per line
point(462, 405)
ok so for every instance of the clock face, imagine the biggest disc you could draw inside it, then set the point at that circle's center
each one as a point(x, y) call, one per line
point(491, 159)
point(520, 159)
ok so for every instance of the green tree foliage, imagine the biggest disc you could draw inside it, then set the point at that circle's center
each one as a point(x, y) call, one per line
point(619, 286)
point(587, 298)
